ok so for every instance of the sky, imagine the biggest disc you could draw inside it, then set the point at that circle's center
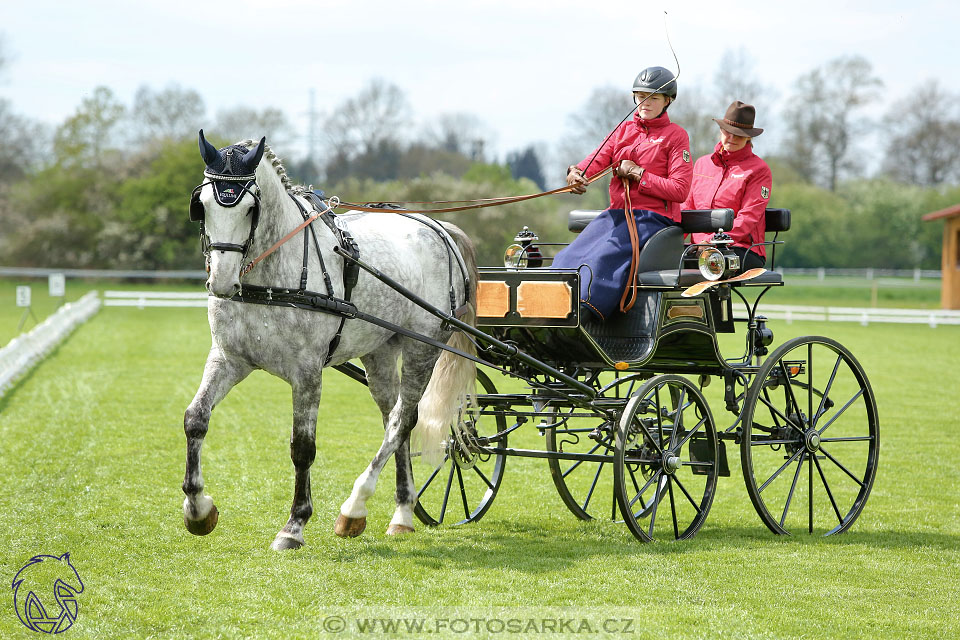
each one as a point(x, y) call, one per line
point(521, 66)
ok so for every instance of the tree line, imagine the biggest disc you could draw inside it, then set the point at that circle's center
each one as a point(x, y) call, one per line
point(108, 186)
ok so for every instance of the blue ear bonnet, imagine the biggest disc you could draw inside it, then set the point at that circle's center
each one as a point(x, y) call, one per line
point(231, 174)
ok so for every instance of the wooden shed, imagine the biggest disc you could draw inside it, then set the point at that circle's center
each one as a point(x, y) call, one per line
point(950, 260)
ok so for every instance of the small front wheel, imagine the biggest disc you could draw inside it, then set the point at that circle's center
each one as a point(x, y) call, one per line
point(665, 463)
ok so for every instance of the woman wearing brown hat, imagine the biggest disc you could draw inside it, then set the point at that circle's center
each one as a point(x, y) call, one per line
point(734, 177)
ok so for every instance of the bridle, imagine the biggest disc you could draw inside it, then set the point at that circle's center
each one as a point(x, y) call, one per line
point(228, 197)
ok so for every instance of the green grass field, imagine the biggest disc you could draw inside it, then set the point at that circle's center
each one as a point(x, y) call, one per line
point(92, 456)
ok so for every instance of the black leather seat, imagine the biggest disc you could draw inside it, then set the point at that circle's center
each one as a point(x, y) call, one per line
point(660, 257)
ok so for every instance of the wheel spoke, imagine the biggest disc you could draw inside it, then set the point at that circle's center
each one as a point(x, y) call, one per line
point(848, 439)
point(659, 414)
point(774, 411)
point(826, 390)
point(656, 503)
point(593, 486)
point(810, 382)
point(433, 475)
point(446, 493)
point(673, 512)
point(645, 487)
point(679, 445)
point(844, 408)
point(765, 442)
point(810, 493)
point(579, 462)
point(678, 419)
point(826, 486)
point(793, 486)
point(463, 493)
point(779, 471)
point(842, 468)
point(792, 398)
point(687, 493)
point(482, 477)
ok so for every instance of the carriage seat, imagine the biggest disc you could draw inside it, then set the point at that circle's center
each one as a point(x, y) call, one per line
point(659, 259)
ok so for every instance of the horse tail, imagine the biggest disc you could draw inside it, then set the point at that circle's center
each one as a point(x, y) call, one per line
point(453, 381)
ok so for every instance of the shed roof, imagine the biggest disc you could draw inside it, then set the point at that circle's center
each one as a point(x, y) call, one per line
point(949, 212)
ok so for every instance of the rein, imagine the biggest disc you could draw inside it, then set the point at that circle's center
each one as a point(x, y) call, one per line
point(479, 203)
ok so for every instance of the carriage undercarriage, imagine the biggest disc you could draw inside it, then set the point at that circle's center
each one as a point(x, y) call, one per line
point(628, 431)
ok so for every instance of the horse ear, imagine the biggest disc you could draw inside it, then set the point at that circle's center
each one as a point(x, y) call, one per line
point(208, 152)
point(252, 157)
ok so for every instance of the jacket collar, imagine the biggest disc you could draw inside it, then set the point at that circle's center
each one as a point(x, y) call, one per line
point(720, 156)
point(660, 121)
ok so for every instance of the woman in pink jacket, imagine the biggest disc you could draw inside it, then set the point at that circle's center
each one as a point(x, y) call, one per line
point(651, 160)
point(734, 177)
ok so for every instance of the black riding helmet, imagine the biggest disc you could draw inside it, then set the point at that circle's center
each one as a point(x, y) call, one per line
point(657, 80)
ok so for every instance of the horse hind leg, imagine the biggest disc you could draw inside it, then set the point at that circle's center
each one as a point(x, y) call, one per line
point(200, 514)
point(417, 366)
point(303, 450)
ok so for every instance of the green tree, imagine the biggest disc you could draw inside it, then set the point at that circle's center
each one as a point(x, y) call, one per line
point(87, 137)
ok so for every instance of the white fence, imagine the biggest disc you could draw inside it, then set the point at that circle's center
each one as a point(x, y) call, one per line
point(863, 315)
point(141, 299)
point(24, 351)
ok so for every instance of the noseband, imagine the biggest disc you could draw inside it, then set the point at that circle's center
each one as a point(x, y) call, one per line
point(227, 195)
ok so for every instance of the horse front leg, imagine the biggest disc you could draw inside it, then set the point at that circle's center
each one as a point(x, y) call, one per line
point(220, 374)
point(303, 450)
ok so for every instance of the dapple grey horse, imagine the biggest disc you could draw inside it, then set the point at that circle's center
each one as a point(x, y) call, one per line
point(245, 206)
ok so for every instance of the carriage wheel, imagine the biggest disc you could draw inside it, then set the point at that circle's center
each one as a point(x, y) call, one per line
point(585, 486)
point(810, 438)
point(665, 465)
point(463, 485)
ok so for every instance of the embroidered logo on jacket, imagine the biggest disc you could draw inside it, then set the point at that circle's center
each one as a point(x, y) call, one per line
point(737, 175)
point(655, 140)
point(686, 156)
point(765, 192)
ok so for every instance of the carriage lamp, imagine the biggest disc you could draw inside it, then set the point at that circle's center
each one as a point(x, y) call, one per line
point(523, 254)
point(762, 335)
point(717, 260)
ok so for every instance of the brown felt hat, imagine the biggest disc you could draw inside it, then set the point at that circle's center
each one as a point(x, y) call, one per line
point(738, 120)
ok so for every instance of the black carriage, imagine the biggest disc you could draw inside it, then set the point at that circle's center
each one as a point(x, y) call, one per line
point(623, 404)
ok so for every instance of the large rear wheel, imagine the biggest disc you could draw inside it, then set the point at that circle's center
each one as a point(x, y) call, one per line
point(811, 438)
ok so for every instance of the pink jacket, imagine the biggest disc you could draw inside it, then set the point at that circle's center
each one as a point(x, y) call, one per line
point(740, 181)
point(662, 149)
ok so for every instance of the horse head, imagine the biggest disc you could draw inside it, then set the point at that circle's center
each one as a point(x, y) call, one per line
point(227, 205)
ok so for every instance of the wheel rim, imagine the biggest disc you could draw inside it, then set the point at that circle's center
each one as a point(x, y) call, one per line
point(665, 466)
point(586, 487)
point(811, 438)
point(462, 486)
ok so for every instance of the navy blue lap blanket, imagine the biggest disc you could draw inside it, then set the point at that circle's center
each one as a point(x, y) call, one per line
point(602, 253)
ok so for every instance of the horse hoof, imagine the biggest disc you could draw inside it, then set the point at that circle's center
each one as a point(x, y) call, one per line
point(204, 526)
point(398, 529)
point(349, 527)
point(286, 543)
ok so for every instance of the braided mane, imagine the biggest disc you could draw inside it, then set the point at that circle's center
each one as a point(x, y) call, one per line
point(277, 165)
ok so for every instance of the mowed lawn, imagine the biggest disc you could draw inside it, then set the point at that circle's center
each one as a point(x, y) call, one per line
point(92, 450)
